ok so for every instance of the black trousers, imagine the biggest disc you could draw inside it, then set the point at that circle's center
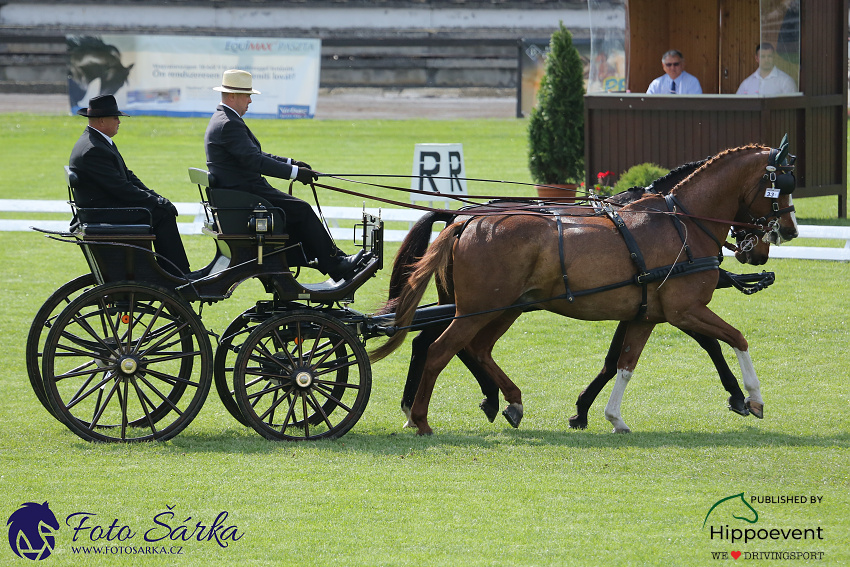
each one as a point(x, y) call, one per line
point(168, 242)
point(303, 225)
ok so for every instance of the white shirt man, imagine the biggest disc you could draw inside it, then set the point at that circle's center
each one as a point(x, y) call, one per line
point(675, 79)
point(767, 80)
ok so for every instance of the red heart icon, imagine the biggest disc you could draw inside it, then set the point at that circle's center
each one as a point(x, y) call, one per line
point(735, 554)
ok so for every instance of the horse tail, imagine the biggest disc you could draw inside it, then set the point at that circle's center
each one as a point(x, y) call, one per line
point(436, 259)
point(412, 248)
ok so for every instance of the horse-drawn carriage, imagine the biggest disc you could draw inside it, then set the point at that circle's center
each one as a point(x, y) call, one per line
point(120, 354)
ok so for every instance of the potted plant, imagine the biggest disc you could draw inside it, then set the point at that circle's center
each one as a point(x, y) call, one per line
point(556, 124)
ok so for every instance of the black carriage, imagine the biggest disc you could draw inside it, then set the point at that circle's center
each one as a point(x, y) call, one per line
point(122, 354)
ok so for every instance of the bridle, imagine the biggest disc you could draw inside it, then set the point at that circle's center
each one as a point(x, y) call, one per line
point(779, 172)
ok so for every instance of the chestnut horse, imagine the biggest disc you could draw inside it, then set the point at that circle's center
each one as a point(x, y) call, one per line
point(749, 249)
point(502, 264)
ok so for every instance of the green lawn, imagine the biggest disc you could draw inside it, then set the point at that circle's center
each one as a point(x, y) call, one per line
point(475, 493)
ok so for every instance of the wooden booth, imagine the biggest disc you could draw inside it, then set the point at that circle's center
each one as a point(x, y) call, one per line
point(718, 40)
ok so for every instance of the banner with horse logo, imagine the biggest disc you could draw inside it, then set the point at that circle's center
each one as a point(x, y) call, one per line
point(173, 75)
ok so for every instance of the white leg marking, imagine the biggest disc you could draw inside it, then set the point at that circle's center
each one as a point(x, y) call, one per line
point(612, 409)
point(748, 373)
point(406, 411)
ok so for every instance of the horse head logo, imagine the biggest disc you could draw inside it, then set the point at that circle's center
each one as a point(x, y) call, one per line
point(31, 529)
point(750, 514)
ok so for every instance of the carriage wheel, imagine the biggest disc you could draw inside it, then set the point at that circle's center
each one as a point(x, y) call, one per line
point(302, 375)
point(41, 324)
point(127, 362)
point(225, 358)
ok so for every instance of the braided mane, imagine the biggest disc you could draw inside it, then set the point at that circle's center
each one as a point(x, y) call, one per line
point(721, 155)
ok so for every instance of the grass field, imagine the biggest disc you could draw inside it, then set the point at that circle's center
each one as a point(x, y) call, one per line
point(475, 493)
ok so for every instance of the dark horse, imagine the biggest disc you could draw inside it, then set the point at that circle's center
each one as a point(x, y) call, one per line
point(749, 250)
point(659, 264)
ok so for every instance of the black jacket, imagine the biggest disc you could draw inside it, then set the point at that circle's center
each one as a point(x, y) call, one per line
point(104, 180)
point(234, 155)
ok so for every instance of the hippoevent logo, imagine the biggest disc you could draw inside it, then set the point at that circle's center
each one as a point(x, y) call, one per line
point(32, 529)
point(732, 521)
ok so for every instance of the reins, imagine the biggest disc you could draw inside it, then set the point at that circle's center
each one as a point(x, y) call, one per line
point(543, 209)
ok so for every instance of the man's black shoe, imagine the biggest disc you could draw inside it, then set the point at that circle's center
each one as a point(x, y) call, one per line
point(346, 266)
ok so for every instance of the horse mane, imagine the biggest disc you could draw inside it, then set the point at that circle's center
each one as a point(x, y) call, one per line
point(660, 186)
point(710, 161)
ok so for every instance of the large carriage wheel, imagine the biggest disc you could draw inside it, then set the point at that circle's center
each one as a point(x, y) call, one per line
point(225, 359)
point(302, 375)
point(41, 324)
point(127, 362)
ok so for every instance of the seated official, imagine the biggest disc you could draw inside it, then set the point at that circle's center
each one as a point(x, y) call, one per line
point(104, 181)
point(768, 79)
point(675, 79)
point(236, 160)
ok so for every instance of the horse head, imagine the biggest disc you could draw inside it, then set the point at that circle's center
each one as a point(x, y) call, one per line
point(91, 59)
point(772, 206)
point(750, 247)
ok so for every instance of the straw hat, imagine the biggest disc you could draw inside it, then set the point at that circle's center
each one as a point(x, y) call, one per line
point(236, 81)
point(101, 106)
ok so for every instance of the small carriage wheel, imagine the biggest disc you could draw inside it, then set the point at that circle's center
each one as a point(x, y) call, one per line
point(120, 360)
point(41, 324)
point(302, 375)
point(225, 359)
point(223, 363)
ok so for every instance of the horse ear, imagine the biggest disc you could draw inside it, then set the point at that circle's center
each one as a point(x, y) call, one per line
point(783, 153)
point(784, 141)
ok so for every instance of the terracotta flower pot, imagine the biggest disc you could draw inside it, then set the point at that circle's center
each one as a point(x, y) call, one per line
point(557, 193)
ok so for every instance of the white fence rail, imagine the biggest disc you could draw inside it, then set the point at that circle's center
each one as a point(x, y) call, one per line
point(396, 215)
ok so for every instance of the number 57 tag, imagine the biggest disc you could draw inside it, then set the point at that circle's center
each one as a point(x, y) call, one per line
point(771, 193)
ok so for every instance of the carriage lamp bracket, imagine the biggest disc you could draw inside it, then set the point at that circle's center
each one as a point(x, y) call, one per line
point(368, 228)
point(262, 223)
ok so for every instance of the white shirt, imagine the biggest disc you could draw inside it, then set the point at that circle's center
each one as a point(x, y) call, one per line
point(777, 82)
point(685, 84)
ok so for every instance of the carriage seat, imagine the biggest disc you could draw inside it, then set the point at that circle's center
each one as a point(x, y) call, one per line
point(234, 214)
point(90, 221)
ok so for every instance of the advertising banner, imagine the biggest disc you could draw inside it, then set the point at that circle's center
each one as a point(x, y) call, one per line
point(174, 75)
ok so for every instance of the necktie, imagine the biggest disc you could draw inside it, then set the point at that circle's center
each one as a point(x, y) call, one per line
point(673, 88)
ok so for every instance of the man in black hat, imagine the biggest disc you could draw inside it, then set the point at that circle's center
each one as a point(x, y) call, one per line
point(105, 182)
point(235, 158)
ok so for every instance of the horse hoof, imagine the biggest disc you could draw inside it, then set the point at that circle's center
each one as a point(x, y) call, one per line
point(490, 409)
point(577, 422)
point(737, 405)
point(622, 430)
point(755, 408)
point(513, 413)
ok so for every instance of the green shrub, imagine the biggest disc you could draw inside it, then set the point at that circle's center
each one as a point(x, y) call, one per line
point(640, 175)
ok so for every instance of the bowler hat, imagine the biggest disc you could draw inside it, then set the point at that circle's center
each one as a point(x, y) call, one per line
point(236, 81)
point(100, 106)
